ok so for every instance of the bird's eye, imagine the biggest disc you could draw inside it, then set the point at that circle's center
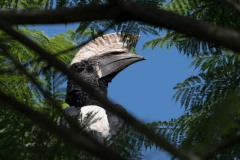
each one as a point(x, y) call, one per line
point(115, 53)
point(90, 68)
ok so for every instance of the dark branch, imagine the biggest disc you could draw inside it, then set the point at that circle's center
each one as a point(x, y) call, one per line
point(74, 138)
point(231, 3)
point(4, 157)
point(202, 30)
point(150, 15)
point(139, 126)
point(66, 15)
point(46, 94)
point(223, 145)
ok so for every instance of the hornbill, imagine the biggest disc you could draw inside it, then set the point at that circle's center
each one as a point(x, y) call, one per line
point(98, 63)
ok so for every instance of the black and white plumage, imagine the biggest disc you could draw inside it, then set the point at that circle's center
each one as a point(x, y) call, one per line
point(98, 63)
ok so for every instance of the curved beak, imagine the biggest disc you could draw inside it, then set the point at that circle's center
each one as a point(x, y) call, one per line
point(113, 63)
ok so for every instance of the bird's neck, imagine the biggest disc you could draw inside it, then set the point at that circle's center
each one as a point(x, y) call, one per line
point(78, 97)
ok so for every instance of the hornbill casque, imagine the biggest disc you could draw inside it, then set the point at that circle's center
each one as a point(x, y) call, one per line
point(98, 63)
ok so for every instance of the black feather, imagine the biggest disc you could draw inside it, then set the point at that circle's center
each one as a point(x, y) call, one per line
point(76, 96)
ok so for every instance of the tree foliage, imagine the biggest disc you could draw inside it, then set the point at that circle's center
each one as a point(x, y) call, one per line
point(211, 98)
point(208, 126)
point(21, 138)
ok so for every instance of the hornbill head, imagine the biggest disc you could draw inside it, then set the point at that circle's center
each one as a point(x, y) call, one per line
point(98, 63)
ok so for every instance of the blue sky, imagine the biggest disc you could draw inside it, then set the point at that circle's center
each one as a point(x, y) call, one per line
point(145, 88)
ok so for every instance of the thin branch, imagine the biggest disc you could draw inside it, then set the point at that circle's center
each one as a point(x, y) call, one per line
point(231, 3)
point(74, 138)
point(225, 144)
point(139, 126)
point(125, 12)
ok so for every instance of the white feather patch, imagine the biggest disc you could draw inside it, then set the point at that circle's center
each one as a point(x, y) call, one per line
point(99, 121)
point(104, 44)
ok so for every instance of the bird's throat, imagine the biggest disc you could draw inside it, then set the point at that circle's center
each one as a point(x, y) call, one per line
point(78, 97)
